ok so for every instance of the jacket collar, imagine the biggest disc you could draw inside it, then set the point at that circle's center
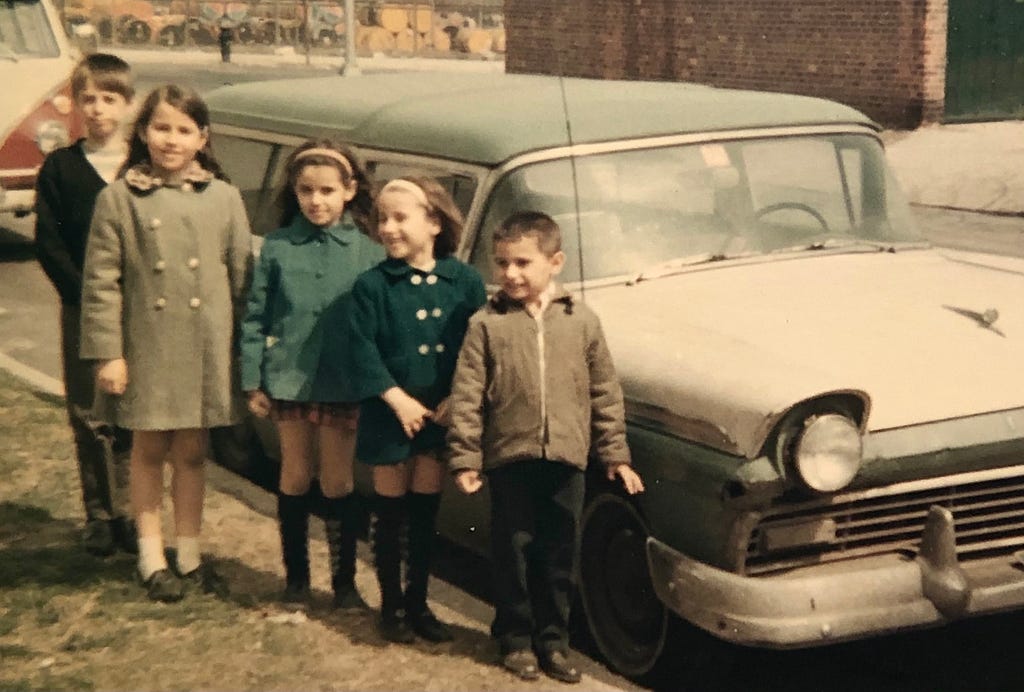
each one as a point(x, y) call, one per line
point(300, 230)
point(501, 303)
point(141, 178)
point(445, 267)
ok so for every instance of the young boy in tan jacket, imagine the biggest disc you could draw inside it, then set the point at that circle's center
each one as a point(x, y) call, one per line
point(535, 393)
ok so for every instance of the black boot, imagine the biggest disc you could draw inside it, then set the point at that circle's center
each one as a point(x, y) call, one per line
point(422, 516)
point(341, 522)
point(388, 554)
point(293, 522)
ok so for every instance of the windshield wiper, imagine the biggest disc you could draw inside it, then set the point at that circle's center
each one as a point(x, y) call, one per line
point(853, 243)
point(665, 268)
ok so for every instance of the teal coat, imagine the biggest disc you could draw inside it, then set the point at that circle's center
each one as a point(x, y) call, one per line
point(407, 327)
point(294, 335)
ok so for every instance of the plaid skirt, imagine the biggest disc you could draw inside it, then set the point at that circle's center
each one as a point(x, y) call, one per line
point(331, 414)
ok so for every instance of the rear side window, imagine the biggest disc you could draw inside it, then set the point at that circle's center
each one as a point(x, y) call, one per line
point(25, 31)
point(249, 163)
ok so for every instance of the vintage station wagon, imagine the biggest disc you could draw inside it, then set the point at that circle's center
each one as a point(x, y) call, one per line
point(828, 412)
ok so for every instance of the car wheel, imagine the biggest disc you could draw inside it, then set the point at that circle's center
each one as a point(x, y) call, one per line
point(626, 620)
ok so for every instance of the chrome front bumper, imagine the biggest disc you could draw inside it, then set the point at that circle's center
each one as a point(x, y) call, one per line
point(842, 600)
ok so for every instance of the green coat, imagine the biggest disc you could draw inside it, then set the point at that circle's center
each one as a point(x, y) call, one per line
point(166, 273)
point(295, 332)
point(407, 327)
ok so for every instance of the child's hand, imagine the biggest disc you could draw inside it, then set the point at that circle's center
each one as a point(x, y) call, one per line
point(259, 403)
point(410, 412)
point(630, 479)
point(112, 376)
point(468, 481)
point(442, 415)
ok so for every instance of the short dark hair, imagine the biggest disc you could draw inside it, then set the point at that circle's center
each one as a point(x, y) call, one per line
point(531, 224)
point(108, 72)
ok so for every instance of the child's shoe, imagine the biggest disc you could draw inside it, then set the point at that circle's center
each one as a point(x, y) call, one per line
point(126, 539)
point(297, 594)
point(426, 625)
point(98, 538)
point(164, 586)
point(521, 663)
point(394, 628)
point(555, 664)
point(347, 598)
point(206, 578)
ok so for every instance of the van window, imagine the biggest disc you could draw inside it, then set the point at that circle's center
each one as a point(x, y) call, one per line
point(246, 161)
point(460, 186)
point(25, 31)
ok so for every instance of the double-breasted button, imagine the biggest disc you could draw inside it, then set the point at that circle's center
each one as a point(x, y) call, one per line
point(319, 275)
point(436, 312)
point(194, 303)
point(432, 279)
point(160, 265)
point(421, 314)
point(160, 303)
point(416, 279)
point(193, 262)
point(424, 349)
point(439, 348)
point(155, 223)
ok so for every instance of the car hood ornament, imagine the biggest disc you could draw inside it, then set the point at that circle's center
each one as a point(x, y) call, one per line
point(985, 319)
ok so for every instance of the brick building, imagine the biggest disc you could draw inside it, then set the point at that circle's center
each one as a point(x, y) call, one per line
point(884, 57)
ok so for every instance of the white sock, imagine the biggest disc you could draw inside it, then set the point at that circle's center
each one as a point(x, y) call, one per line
point(151, 556)
point(188, 554)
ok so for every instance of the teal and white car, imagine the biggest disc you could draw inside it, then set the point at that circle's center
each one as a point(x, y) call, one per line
point(828, 413)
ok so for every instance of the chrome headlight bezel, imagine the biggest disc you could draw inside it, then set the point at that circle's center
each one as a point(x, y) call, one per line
point(828, 452)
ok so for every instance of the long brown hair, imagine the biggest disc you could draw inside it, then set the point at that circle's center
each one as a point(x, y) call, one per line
point(359, 206)
point(188, 102)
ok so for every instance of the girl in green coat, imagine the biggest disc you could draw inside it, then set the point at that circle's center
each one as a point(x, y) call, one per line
point(409, 317)
point(294, 339)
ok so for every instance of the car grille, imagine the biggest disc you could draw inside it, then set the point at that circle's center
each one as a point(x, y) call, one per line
point(987, 507)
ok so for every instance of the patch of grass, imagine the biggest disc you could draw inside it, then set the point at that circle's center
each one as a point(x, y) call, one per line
point(8, 651)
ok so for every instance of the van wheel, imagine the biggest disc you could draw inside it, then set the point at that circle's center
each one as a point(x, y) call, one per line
point(626, 620)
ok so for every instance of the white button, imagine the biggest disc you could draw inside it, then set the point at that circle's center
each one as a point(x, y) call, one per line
point(160, 265)
point(424, 349)
point(421, 314)
point(193, 262)
point(160, 303)
point(431, 279)
point(194, 303)
point(416, 279)
point(436, 312)
point(155, 223)
point(439, 348)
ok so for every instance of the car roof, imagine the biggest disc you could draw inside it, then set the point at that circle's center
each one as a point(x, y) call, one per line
point(489, 118)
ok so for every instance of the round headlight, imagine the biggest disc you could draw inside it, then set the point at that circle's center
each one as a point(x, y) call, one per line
point(51, 135)
point(828, 453)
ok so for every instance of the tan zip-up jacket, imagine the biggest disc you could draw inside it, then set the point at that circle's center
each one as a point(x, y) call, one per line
point(510, 402)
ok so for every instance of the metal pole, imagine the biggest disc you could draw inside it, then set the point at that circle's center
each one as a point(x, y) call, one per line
point(351, 67)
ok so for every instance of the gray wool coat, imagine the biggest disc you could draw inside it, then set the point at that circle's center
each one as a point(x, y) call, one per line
point(164, 285)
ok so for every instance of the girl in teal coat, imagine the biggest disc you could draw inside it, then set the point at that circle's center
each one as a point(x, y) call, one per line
point(294, 338)
point(408, 320)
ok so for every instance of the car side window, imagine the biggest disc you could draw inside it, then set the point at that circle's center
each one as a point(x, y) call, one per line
point(247, 163)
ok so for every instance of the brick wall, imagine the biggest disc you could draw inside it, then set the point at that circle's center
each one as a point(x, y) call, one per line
point(885, 57)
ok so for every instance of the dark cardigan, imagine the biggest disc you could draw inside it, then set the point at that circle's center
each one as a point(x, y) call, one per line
point(66, 191)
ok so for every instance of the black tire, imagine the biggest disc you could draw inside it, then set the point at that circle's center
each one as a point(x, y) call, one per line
point(137, 32)
point(627, 622)
point(171, 36)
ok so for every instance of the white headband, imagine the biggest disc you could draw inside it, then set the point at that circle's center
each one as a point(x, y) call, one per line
point(329, 153)
point(403, 185)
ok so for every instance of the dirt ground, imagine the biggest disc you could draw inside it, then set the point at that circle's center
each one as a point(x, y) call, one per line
point(72, 621)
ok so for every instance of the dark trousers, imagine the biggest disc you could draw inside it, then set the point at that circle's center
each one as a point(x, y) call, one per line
point(535, 516)
point(103, 451)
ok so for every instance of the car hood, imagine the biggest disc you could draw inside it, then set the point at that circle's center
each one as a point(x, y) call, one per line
point(22, 95)
point(721, 352)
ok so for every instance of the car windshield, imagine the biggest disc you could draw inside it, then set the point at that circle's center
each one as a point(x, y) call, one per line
point(25, 31)
point(649, 212)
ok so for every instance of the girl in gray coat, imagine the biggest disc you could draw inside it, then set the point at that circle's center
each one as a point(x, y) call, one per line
point(166, 271)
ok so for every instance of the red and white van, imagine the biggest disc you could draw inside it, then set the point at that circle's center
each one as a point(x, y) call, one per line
point(37, 113)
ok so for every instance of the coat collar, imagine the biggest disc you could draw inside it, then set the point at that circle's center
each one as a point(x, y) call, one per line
point(446, 268)
point(141, 178)
point(300, 230)
point(501, 303)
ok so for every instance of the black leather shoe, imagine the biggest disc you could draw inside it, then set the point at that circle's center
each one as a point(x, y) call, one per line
point(556, 665)
point(98, 538)
point(206, 578)
point(164, 585)
point(521, 663)
point(427, 626)
point(347, 599)
point(297, 594)
point(394, 628)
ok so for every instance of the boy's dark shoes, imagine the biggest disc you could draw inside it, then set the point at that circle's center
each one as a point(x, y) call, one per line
point(296, 594)
point(125, 536)
point(98, 538)
point(521, 663)
point(164, 586)
point(427, 626)
point(394, 628)
point(206, 578)
point(347, 599)
point(555, 664)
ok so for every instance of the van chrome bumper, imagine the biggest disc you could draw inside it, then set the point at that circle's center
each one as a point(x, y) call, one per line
point(842, 600)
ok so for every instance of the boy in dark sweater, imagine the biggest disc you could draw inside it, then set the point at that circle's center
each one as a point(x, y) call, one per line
point(66, 190)
point(534, 396)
